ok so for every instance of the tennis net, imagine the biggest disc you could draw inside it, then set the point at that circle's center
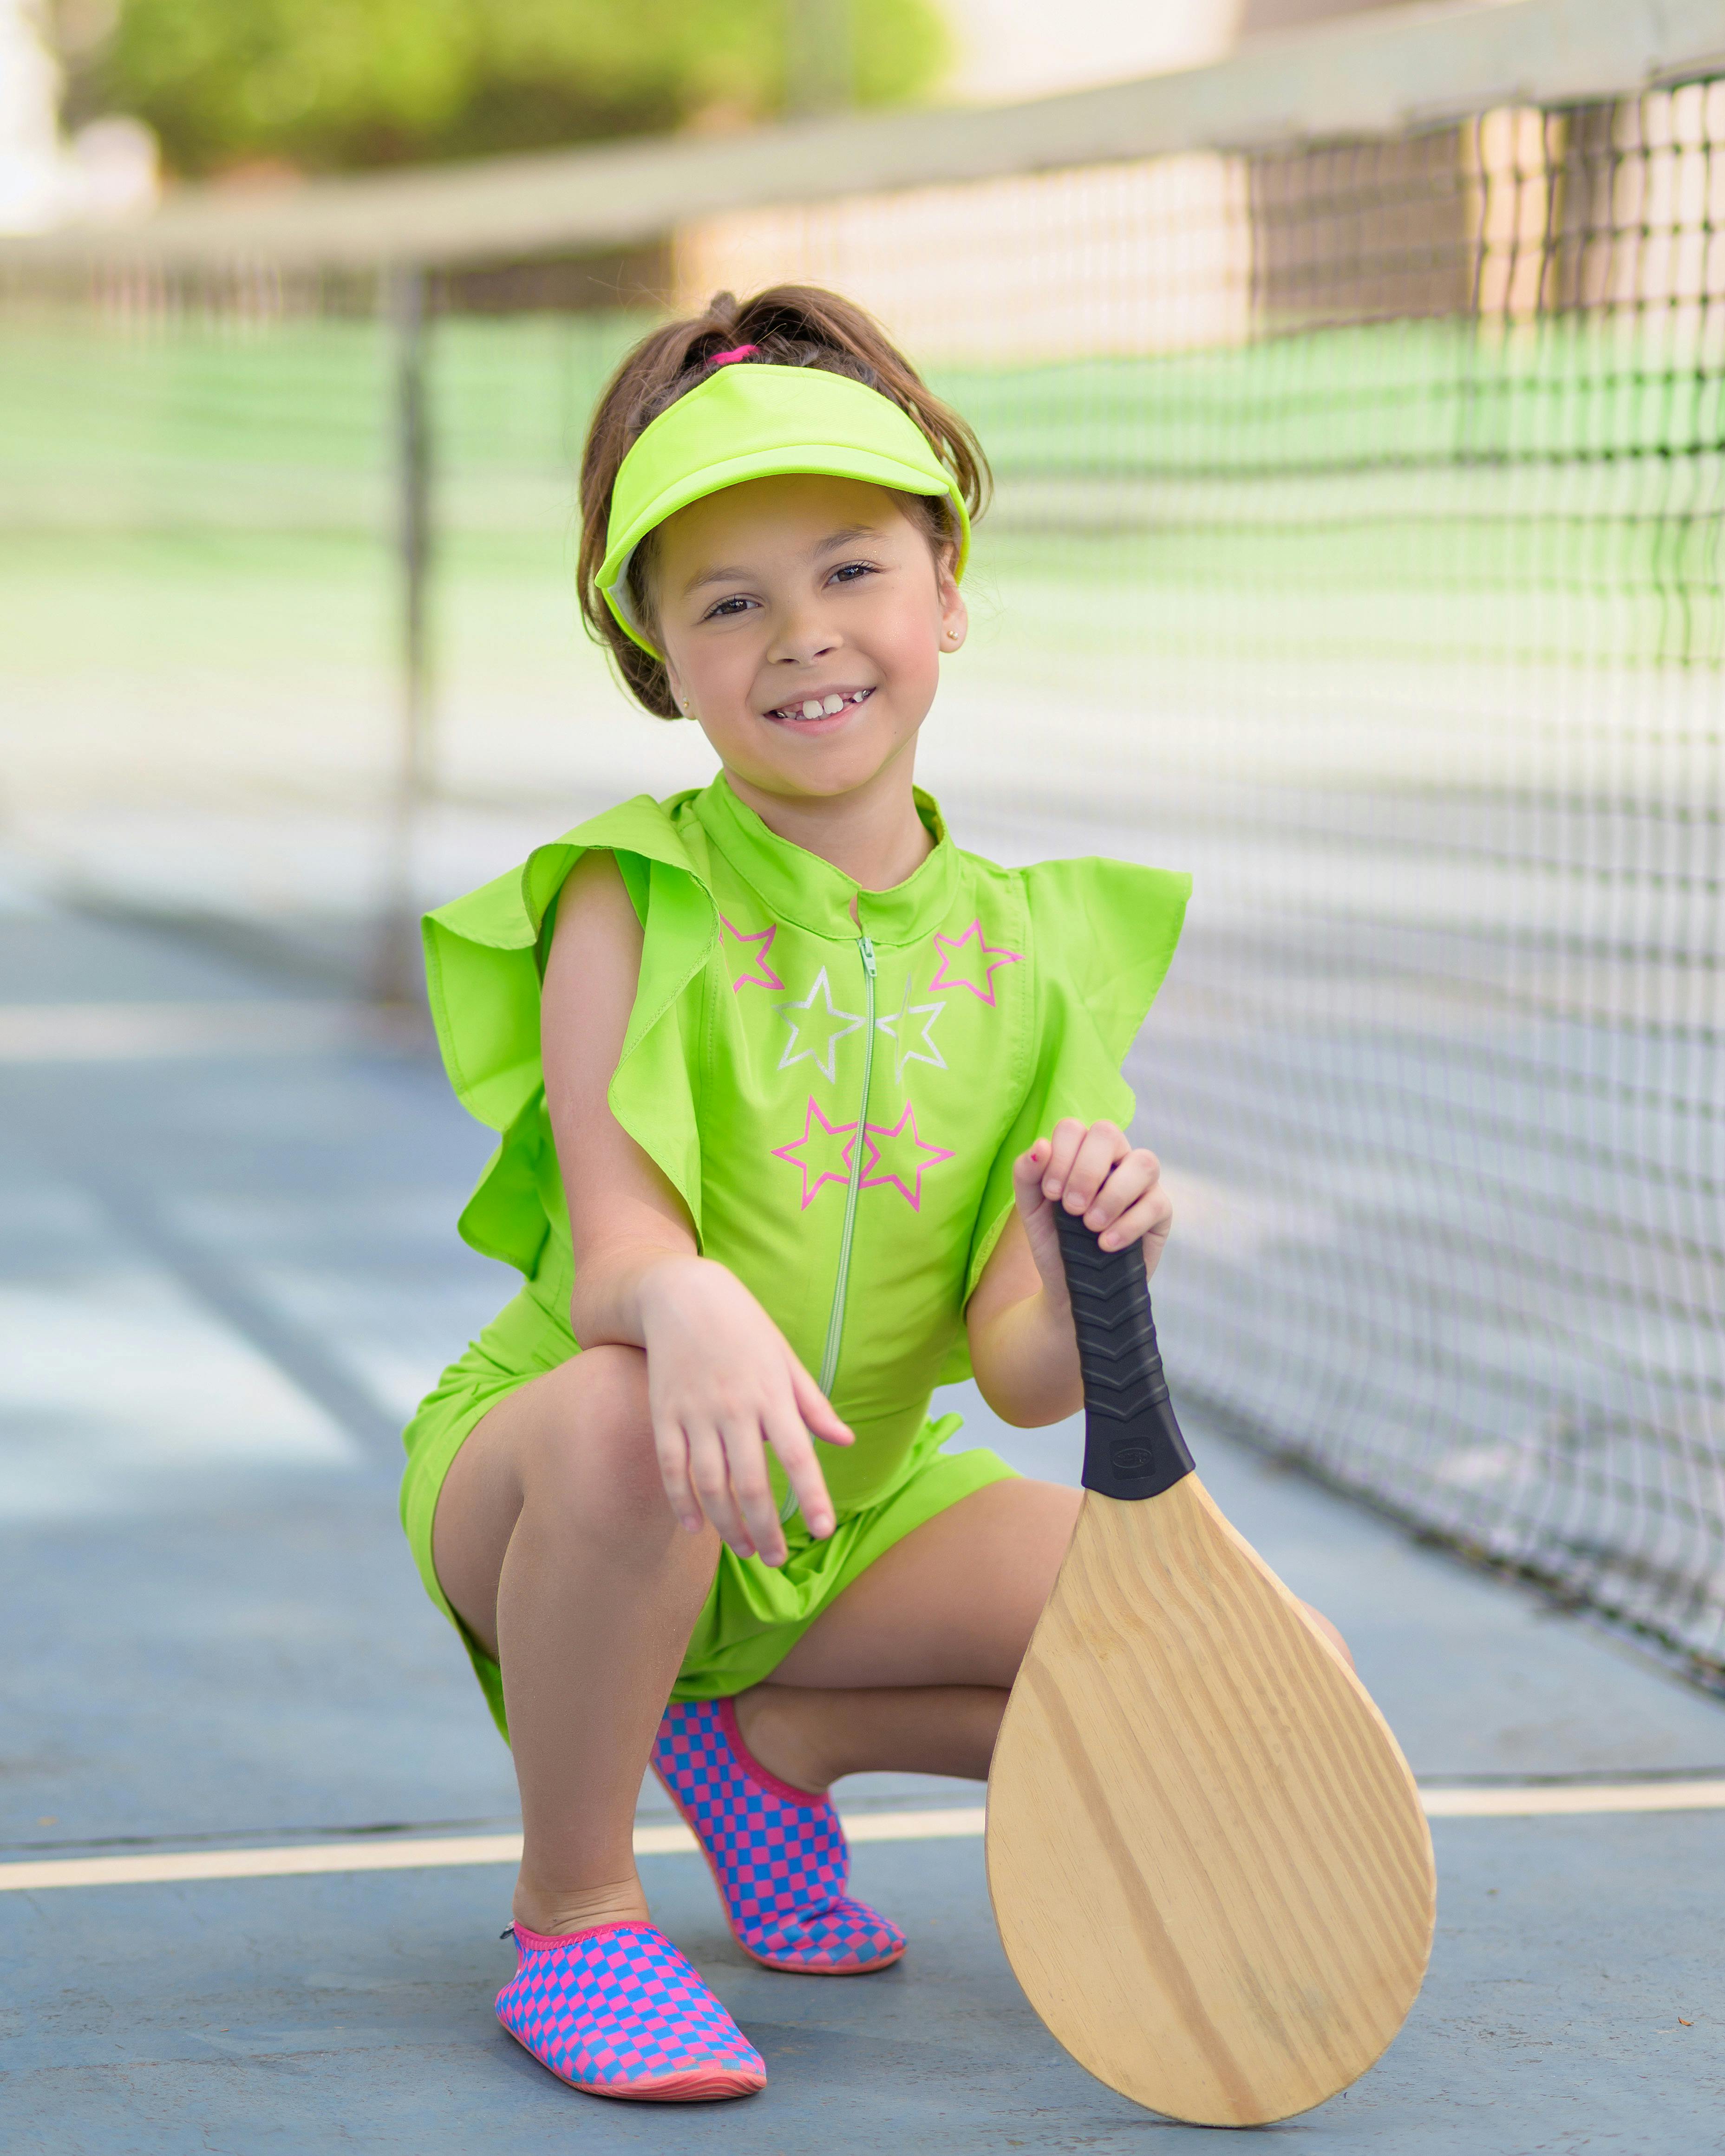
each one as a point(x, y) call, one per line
point(1357, 547)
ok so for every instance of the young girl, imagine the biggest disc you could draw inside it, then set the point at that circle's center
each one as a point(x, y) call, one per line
point(789, 1088)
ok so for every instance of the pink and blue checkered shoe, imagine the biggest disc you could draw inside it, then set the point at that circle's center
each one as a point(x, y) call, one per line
point(777, 1854)
point(617, 2011)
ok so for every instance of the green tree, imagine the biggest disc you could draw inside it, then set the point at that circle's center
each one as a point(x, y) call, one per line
point(330, 84)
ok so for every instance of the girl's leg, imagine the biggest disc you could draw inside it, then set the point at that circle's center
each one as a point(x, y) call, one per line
point(555, 1544)
point(910, 1669)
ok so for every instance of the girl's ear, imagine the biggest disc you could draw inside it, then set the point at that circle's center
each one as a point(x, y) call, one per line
point(955, 616)
point(679, 695)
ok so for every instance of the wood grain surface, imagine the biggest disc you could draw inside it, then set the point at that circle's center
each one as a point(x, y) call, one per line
point(1207, 1855)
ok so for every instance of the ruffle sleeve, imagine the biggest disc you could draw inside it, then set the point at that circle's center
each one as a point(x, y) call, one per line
point(483, 962)
point(1102, 935)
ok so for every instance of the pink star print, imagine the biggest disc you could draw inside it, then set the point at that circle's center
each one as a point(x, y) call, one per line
point(956, 971)
point(830, 1162)
point(755, 972)
point(910, 1155)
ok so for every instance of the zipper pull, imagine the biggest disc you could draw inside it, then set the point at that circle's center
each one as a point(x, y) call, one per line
point(867, 949)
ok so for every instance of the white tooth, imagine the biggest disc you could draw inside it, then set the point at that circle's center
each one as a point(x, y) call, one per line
point(811, 710)
point(859, 696)
point(833, 704)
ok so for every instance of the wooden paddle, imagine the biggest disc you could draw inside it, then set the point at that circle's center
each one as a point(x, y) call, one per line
point(1207, 1855)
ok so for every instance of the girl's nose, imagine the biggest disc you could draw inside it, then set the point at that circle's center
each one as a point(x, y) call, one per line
point(803, 640)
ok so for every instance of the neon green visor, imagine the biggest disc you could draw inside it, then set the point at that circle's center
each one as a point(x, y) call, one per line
point(749, 421)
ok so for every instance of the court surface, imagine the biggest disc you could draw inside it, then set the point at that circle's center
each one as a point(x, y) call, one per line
point(229, 1269)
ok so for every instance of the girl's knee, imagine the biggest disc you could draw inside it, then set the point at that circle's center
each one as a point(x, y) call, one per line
point(593, 1459)
point(607, 1395)
point(1330, 1633)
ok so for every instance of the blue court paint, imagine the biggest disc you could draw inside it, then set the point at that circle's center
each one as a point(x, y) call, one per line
point(326, 2015)
point(236, 1644)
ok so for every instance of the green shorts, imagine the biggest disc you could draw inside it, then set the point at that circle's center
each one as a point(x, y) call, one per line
point(754, 1613)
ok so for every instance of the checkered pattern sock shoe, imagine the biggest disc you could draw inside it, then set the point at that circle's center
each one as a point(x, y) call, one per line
point(777, 1854)
point(617, 2011)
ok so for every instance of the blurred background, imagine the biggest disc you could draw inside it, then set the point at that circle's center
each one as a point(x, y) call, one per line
point(1355, 383)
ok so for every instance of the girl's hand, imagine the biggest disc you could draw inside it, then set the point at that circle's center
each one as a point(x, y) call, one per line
point(1095, 1170)
point(722, 1384)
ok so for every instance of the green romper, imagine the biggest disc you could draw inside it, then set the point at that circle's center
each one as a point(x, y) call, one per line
point(838, 1101)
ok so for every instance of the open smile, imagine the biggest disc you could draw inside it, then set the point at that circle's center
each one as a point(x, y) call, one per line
point(821, 711)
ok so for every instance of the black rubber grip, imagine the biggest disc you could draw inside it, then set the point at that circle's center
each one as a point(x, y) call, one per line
point(1132, 1446)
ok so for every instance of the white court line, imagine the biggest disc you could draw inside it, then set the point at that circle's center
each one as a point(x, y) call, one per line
point(1574, 1800)
point(960, 1822)
point(124, 1033)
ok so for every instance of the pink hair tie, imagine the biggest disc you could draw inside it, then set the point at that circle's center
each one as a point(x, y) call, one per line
point(739, 351)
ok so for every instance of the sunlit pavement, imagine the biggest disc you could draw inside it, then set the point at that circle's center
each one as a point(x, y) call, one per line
point(228, 1270)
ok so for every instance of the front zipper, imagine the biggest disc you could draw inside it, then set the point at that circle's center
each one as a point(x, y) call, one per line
point(835, 1321)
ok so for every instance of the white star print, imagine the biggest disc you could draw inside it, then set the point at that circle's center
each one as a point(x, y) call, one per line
point(928, 1013)
point(822, 1056)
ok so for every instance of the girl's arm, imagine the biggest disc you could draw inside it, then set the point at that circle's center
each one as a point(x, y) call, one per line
point(1021, 1345)
point(721, 1380)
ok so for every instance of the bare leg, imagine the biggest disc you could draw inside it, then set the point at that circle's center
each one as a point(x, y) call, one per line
point(910, 1669)
point(555, 1544)
point(812, 1738)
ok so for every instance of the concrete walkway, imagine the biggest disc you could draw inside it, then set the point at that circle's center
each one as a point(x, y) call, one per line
point(229, 1269)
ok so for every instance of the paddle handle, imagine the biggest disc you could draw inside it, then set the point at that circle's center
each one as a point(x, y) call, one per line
point(1132, 1446)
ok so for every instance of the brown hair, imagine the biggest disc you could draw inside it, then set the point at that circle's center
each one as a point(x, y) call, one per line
point(790, 325)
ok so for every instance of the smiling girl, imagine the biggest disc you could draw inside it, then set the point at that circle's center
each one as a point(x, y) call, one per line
point(788, 1088)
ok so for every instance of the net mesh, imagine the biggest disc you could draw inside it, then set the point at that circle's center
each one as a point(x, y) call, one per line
point(1357, 547)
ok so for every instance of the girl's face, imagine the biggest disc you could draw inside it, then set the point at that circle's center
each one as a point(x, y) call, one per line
point(803, 620)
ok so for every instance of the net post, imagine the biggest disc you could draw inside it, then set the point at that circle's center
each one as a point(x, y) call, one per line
point(407, 308)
